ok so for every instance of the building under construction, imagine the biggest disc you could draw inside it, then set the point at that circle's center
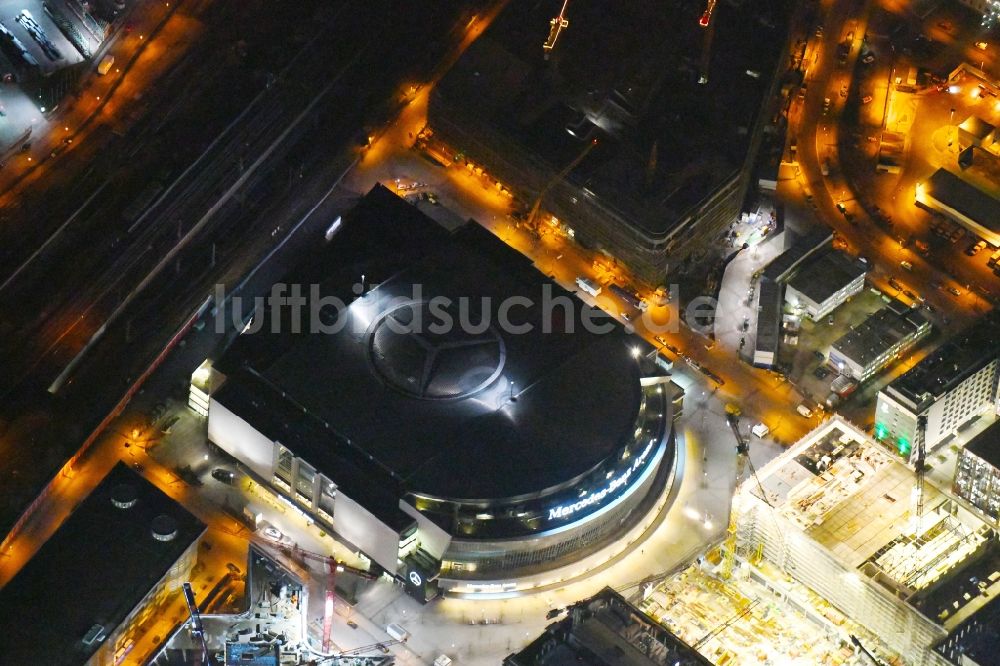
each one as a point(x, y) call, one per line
point(839, 514)
point(606, 630)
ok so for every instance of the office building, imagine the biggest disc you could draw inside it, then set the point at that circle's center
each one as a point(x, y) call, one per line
point(878, 341)
point(606, 630)
point(771, 292)
point(947, 390)
point(677, 137)
point(977, 472)
point(824, 282)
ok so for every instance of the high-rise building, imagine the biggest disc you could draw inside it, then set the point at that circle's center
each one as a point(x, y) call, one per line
point(949, 388)
point(977, 473)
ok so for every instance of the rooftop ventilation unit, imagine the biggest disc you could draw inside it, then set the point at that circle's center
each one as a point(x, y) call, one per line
point(164, 528)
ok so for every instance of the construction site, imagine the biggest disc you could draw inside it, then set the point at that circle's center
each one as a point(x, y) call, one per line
point(834, 528)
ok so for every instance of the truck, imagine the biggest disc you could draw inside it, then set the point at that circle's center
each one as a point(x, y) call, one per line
point(994, 259)
point(588, 286)
point(843, 386)
point(397, 632)
point(107, 62)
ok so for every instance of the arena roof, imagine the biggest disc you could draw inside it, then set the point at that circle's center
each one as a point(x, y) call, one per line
point(447, 414)
point(95, 569)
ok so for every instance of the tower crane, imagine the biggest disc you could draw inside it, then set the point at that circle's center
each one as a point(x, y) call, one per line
point(196, 627)
point(706, 18)
point(708, 24)
point(536, 207)
point(357, 652)
point(742, 462)
point(333, 567)
point(918, 466)
point(556, 26)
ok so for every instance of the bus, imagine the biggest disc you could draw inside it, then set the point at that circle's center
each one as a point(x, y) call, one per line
point(629, 297)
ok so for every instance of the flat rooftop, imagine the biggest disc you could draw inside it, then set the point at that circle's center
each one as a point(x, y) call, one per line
point(977, 127)
point(606, 630)
point(880, 332)
point(950, 364)
point(447, 413)
point(666, 142)
point(965, 198)
point(801, 248)
point(771, 298)
point(95, 569)
point(821, 276)
point(851, 496)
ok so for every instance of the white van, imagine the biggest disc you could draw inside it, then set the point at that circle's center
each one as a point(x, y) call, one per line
point(760, 430)
point(803, 410)
point(588, 286)
point(397, 632)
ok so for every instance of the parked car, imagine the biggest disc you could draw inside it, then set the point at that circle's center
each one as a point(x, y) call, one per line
point(866, 99)
point(223, 475)
point(975, 248)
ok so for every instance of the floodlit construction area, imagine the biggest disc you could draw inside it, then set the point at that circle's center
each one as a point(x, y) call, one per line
point(843, 517)
point(754, 617)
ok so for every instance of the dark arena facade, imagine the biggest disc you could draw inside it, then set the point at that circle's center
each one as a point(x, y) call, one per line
point(486, 457)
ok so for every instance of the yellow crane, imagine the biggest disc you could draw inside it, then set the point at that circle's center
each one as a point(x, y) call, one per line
point(556, 26)
point(531, 220)
point(708, 24)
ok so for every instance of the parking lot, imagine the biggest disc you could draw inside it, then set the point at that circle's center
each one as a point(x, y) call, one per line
point(39, 50)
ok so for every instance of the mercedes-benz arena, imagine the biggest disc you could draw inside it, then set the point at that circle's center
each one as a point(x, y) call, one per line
point(461, 420)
